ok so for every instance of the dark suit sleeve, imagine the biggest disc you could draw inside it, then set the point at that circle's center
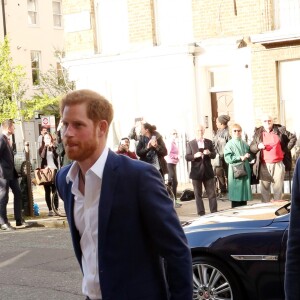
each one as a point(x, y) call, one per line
point(212, 150)
point(292, 140)
point(292, 270)
point(189, 156)
point(167, 236)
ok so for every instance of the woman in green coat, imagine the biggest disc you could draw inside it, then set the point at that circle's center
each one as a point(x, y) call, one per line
point(237, 151)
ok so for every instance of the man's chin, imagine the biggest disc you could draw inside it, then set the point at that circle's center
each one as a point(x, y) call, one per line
point(73, 155)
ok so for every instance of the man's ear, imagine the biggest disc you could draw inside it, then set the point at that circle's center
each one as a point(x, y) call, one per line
point(103, 128)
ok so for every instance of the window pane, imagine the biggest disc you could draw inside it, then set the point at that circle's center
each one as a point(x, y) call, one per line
point(31, 17)
point(35, 67)
point(35, 77)
point(31, 5)
point(56, 7)
point(57, 21)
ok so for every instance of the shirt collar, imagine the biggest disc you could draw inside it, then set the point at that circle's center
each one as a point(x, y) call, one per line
point(97, 167)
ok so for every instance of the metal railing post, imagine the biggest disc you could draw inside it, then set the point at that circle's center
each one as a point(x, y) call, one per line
point(29, 184)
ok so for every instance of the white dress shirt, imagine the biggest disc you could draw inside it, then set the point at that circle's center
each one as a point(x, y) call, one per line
point(86, 209)
point(200, 143)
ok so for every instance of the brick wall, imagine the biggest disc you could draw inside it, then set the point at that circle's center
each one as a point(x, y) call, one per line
point(265, 77)
point(81, 40)
point(213, 19)
point(140, 21)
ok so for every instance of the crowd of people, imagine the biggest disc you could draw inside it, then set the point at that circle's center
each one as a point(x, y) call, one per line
point(146, 252)
point(270, 150)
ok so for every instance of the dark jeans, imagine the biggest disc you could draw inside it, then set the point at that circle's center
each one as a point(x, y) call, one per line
point(210, 189)
point(48, 189)
point(16, 190)
point(172, 178)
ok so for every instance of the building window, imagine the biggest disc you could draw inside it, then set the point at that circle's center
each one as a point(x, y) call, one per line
point(173, 19)
point(32, 12)
point(112, 24)
point(57, 14)
point(287, 15)
point(35, 67)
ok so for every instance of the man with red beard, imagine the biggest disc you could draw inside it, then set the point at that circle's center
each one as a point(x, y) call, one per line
point(126, 234)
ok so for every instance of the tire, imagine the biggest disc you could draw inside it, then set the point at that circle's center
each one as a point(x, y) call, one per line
point(60, 211)
point(213, 280)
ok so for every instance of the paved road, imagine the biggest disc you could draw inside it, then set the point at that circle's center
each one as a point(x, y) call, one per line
point(38, 264)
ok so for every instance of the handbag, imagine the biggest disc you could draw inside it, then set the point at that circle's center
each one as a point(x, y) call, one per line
point(239, 170)
point(44, 176)
point(216, 162)
point(187, 195)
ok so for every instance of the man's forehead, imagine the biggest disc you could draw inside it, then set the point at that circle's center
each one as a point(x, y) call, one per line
point(267, 117)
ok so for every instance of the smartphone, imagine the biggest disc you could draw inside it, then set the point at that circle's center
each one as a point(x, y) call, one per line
point(123, 142)
point(138, 119)
point(153, 138)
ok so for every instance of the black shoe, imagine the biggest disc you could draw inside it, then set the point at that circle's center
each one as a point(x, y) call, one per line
point(21, 223)
point(7, 227)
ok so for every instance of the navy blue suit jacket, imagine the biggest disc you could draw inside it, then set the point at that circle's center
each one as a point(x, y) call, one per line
point(138, 226)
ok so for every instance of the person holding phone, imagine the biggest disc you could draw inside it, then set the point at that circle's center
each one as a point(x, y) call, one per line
point(49, 160)
point(124, 148)
point(151, 148)
point(172, 160)
point(200, 151)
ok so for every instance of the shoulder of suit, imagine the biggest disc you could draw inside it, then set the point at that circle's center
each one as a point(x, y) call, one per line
point(207, 140)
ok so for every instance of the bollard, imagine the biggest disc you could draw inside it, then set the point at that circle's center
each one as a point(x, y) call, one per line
point(29, 184)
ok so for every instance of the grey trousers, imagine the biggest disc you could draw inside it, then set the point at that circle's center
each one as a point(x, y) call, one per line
point(211, 194)
point(277, 171)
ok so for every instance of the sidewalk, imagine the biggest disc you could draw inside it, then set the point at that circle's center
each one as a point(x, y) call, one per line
point(186, 212)
point(37, 221)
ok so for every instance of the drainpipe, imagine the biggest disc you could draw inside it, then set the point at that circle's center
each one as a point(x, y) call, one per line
point(3, 17)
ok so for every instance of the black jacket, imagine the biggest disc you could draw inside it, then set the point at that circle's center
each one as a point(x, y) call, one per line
point(201, 169)
point(144, 153)
point(287, 142)
point(7, 165)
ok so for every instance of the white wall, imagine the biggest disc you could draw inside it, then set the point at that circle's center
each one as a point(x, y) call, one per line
point(158, 86)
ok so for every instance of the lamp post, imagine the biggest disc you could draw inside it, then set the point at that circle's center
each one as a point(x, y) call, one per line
point(3, 17)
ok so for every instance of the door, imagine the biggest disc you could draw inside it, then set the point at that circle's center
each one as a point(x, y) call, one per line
point(221, 104)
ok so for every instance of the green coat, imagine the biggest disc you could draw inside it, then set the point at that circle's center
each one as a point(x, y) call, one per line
point(239, 188)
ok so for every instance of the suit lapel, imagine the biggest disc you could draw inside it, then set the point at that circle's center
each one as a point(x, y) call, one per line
point(194, 145)
point(108, 190)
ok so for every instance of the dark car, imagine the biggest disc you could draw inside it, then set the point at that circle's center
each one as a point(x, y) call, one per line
point(239, 254)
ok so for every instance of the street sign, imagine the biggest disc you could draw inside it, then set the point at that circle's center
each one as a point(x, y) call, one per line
point(48, 122)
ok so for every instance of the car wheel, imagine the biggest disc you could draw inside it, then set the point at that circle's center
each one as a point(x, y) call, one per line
point(212, 280)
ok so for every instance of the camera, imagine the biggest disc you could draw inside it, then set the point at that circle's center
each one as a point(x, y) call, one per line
point(201, 150)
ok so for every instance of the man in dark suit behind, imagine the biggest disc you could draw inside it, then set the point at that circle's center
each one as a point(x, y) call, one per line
point(199, 152)
point(126, 234)
point(8, 177)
